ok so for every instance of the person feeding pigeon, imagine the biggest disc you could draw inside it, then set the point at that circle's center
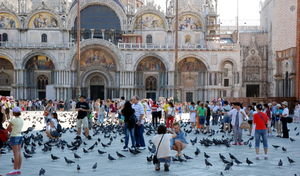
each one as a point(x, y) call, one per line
point(15, 127)
point(260, 120)
point(53, 128)
point(179, 142)
point(82, 120)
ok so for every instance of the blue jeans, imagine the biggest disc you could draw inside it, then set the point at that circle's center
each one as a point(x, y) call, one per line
point(139, 136)
point(129, 132)
point(101, 118)
point(263, 135)
point(237, 134)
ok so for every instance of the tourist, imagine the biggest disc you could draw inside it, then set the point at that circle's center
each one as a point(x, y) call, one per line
point(208, 115)
point(101, 112)
point(15, 128)
point(159, 112)
point(139, 127)
point(53, 129)
point(170, 115)
point(216, 113)
point(130, 122)
point(193, 114)
point(297, 112)
point(226, 116)
point(49, 109)
point(165, 108)
point(82, 117)
point(201, 113)
point(154, 113)
point(273, 110)
point(260, 120)
point(250, 110)
point(179, 111)
point(3, 131)
point(120, 106)
point(267, 110)
point(162, 144)
point(278, 123)
point(179, 142)
point(284, 116)
point(237, 116)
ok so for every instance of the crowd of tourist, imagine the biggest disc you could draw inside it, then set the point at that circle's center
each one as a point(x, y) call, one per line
point(259, 120)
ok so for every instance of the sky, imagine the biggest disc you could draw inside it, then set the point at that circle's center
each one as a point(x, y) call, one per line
point(227, 9)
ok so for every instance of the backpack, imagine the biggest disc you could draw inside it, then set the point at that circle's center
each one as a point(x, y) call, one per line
point(3, 135)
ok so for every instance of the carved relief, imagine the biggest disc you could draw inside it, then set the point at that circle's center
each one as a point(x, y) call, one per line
point(43, 20)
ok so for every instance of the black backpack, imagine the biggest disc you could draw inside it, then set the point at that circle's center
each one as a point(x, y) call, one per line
point(59, 128)
point(132, 121)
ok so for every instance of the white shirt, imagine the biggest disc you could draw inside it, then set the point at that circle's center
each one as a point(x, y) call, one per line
point(233, 113)
point(164, 149)
point(138, 111)
point(285, 112)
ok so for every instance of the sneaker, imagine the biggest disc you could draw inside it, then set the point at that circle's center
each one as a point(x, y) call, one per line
point(166, 167)
point(157, 167)
point(142, 148)
point(257, 157)
point(125, 148)
point(14, 173)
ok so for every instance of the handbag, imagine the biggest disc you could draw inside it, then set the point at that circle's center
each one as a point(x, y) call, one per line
point(245, 124)
point(155, 159)
point(289, 119)
point(4, 135)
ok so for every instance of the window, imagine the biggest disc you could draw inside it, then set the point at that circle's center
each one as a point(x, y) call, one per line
point(5, 37)
point(226, 82)
point(44, 38)
point(4, 79)
point(149, 39)
point(42, 81)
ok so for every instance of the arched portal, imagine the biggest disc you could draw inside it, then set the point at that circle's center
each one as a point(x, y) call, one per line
point(39, 72)
point(97, 87)
point(6, 76)
point(191, 79)
point(151, 72)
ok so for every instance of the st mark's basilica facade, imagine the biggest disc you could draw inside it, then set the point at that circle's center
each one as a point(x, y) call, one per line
point(127, 48)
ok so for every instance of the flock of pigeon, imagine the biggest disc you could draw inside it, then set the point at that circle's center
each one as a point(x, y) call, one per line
point(209, 153)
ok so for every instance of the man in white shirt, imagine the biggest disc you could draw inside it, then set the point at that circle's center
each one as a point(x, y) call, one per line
point(285, 114)
point(139, 127)
point(237, 115)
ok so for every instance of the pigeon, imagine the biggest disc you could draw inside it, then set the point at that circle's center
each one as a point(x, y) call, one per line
point(54, 157)
point(110, 157)
point(187, 157)
point(276, 146)
point(26, 155)
point(237, 161)
point(69, 161)
point(232, 156)
point(280, 163)
point(85, 151)
point(94, 166)
point(103, 145)
point(197, 152)
point(292, 140)
point(291, 161)
point(120, 155)
point(42, 172)
point(78, 168)
point(76, 156)
point(221, 174)
point(222, 156)
point(207, 163)
point(249, 162)
point(227, 167)
point(283, 149)
point(297, 134)
point(92, 147)
point(149, 159)
point(206, 156)
point(101, 152)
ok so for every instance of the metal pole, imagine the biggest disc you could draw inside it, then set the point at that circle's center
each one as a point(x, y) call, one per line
point(298, 54)
point(176, 51)
point(237, 21)
point(78, 48)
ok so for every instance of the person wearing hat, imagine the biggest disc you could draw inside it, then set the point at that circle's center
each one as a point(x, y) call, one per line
point(285, 114)
point(15, 127)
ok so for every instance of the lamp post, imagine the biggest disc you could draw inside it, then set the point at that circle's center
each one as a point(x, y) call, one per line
point(176, 52)
point(78, 90)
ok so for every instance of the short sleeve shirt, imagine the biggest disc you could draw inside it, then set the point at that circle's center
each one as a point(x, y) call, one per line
point(164, 149)
point(83, 105)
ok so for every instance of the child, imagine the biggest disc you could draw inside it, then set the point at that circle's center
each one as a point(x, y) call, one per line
point(53, 127)
point(15, 127)
point(162, 144)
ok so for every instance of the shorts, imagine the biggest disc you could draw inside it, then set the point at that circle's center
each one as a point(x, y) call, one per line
point(82, 122)
point(193, 117)
point(202, 120)
point(226, 119)
point(54, 133)
point(15, 140)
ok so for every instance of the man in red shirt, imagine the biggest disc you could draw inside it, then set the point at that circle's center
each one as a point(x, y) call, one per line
point(260, 119)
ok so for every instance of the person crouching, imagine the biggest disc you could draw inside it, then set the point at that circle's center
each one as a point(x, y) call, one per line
point(163, 149)
point(53, 127)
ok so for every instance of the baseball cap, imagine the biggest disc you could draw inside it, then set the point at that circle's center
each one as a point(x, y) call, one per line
point(16, 109)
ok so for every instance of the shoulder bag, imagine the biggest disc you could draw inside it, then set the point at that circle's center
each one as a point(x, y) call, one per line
point(155, 159)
